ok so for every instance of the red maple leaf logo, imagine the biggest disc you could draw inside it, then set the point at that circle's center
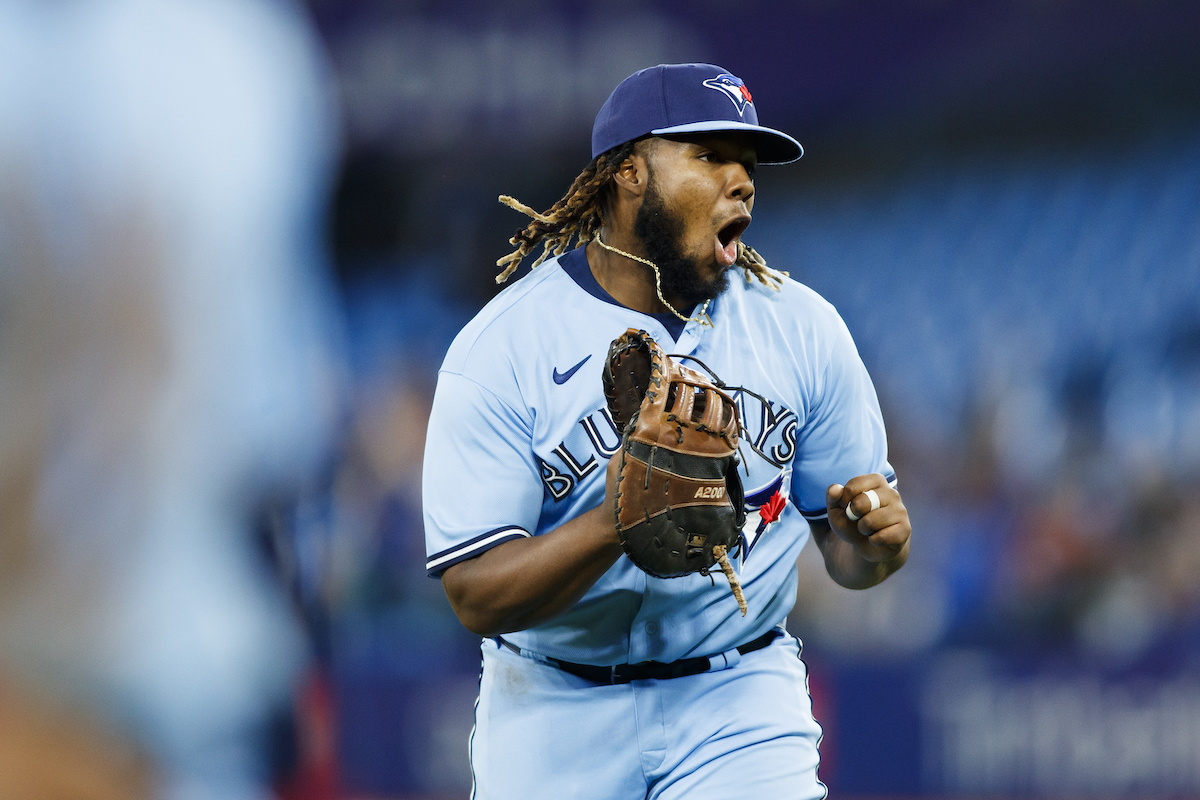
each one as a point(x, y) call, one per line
point(771, 510)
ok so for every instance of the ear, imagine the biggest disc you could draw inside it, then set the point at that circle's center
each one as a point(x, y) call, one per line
point(633, 176)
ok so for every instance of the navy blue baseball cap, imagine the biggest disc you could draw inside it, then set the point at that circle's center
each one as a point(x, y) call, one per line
point(686, 98)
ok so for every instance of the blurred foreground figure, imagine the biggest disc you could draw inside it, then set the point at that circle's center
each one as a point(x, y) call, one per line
point(164, 361)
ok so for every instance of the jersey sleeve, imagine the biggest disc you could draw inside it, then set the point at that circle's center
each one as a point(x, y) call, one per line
point(480, 483)
point(843, 435)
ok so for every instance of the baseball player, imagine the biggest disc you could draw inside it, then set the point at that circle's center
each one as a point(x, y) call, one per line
point(598, 679)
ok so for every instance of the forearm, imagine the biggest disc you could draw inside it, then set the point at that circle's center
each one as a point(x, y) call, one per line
point(846, 566)
point(525, 582)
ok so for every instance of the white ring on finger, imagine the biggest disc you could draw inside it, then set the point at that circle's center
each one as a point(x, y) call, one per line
point(874, 506)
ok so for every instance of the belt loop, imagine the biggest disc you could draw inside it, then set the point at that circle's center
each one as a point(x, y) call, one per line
point(729, 658)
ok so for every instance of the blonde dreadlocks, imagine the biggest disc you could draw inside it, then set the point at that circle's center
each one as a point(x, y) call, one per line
point(577, 215)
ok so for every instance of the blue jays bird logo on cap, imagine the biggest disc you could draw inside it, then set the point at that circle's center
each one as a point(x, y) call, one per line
point(733, 88)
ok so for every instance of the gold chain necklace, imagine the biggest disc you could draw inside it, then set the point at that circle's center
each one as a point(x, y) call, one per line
point(702, 317)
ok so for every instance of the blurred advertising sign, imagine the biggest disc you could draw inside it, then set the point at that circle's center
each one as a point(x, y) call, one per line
point(434, 84)
point(977, 724)
point(1058, 732)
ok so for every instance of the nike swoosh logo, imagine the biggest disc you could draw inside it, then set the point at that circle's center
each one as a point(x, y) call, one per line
point(562, 378)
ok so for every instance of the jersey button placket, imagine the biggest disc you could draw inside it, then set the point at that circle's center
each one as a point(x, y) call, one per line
point(689, 338)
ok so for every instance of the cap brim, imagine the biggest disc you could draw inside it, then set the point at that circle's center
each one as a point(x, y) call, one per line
point(772, 146)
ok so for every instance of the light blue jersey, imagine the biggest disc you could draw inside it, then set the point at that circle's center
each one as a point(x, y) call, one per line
point(519, 438)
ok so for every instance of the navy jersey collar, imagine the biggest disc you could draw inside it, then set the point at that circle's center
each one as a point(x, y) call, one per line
point(575, 264)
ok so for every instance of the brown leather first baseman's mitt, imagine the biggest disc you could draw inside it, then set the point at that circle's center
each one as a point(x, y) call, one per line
point(679, 504)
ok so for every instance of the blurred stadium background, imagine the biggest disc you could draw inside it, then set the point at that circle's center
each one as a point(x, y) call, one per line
point(237, 236)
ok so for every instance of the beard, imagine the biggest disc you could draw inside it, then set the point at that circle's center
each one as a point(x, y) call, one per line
point(660, 230)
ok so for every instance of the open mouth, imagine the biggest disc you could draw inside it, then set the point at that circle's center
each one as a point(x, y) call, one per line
point(727, 239)
point(733, 230)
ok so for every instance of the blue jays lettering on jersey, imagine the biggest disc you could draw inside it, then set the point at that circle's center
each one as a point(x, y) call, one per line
point(519, 437)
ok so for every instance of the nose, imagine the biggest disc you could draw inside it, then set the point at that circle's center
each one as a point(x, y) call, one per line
point(740, 185)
